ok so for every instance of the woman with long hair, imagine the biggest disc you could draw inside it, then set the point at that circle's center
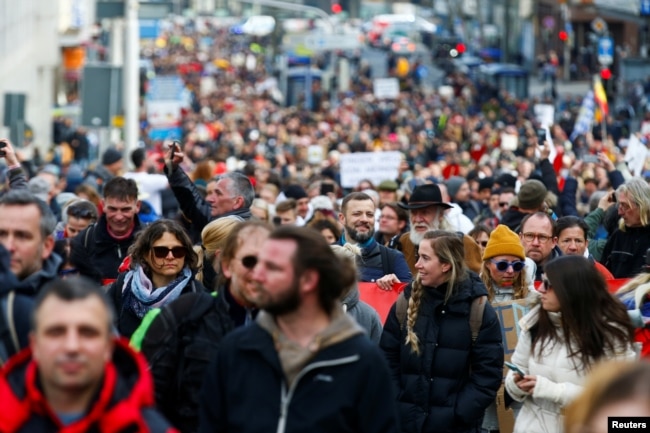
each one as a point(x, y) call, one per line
point(577, 324)
point(445, 377)
point(213, 240)
point(162, 267)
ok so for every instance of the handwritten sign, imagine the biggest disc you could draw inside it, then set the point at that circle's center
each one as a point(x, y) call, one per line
point(376, 166)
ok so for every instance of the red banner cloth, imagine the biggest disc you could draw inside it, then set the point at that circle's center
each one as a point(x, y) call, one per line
point(380, 300)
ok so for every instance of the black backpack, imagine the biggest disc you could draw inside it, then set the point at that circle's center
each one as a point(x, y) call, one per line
point(180, 350)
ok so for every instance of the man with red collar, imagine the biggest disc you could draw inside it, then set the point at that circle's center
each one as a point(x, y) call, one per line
point(98, 251)
point(76, 376)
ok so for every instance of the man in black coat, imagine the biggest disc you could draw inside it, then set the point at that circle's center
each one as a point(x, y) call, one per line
point(98, 251)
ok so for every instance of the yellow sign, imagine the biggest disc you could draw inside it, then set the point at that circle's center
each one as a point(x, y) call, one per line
point(117, 121)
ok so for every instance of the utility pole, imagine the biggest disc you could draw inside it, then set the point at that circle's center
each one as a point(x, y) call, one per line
point(505, 43)
point(131, 77)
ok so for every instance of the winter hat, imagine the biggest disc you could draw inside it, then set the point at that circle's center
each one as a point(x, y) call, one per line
point(506, 180)
point(485, 183)
point(504, 241)
point(111, 156)
point(453, 185)
point(532, 194)
point(40, 187)
point(295, 192)
point(387, 185)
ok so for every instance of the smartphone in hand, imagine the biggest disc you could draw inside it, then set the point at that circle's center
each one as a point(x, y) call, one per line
point(514, 368)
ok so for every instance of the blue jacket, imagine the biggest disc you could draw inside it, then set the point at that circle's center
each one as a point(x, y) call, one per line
point(448, 386)
point(371, 265)
point(343, 388)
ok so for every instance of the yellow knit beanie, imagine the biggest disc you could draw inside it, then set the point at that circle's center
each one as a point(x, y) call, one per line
point(504, 241)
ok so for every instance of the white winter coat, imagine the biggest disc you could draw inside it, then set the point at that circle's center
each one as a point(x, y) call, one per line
point(558, 380)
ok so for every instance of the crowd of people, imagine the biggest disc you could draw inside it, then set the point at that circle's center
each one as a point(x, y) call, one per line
point(232, 263)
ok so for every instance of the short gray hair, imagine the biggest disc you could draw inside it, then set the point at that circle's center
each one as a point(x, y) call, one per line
point(22, 197)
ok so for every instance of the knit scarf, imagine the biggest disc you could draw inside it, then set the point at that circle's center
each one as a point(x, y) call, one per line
point(140, 296)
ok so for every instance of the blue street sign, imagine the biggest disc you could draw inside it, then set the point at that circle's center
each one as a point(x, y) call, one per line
point(644, 9)
point(605, 51)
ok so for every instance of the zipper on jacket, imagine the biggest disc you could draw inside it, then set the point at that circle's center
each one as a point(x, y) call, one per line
point(287, 395)
point(119, 252)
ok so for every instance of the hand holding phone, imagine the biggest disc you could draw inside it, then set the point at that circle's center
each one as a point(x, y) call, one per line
point(514, 368)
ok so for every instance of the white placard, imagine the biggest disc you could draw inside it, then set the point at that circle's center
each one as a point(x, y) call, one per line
point(315, 154)
point(509, 142)
point(163, 113)
point(385, 88)
point(545, 114)
point(375, 166)
point(636, 155)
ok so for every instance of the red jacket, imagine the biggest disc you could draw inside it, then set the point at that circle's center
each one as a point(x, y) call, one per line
point(124, 403)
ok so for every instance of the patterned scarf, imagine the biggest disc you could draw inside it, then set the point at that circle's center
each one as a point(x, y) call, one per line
point(140, 296)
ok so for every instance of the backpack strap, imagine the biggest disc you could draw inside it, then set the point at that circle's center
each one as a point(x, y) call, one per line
point(476, 316)
point(401, 305)
point(5, 351)
point(90, 228)
point(387, 259)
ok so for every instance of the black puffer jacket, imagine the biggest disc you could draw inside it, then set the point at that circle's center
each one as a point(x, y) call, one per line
point(97, 254)
point(448, 386)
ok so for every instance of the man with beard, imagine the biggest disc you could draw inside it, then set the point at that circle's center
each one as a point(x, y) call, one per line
point(308, 363)
point(427, 212)
point(378, 264)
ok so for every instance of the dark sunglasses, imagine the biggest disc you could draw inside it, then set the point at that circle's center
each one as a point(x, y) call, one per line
point(85, 214)
point(162, 252)
point(483, 243)
point(503, 265)
point(547, 284)
point(505, 203)
point(249, 262)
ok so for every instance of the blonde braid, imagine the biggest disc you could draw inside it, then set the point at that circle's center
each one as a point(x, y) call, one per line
point(412, 315)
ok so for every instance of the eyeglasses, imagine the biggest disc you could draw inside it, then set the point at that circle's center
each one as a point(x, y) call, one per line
point(504, 204)
point(625, 206)
point(529, 237)
point(483, 243)
point(503, 265)
point(547, 284)
point(249, 262)
point(162, 252)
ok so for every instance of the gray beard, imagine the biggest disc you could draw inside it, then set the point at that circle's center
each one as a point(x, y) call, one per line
point(416, 237)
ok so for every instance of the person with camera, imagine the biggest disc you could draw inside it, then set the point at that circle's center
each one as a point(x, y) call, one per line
point(228, 194)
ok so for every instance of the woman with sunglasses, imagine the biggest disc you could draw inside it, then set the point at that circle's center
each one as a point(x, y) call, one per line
point(445, 378)
point(162, 267)
point(506, 272)
point(508, 276)
point(577, 325)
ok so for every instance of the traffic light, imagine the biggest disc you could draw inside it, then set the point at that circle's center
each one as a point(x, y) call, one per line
point(563, 35)
point(336, 8)
point(605, 74)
